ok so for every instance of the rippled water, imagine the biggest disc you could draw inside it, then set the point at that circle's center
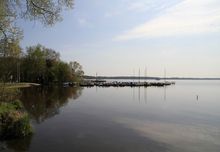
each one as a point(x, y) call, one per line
point(180, 118)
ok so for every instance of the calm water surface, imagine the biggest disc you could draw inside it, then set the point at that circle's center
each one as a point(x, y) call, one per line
point(180, 118)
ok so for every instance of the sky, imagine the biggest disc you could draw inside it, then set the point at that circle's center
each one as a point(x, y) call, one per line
point(119, 37)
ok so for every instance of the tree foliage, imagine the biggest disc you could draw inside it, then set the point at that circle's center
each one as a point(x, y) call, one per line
point(76, 71)
point(38, 64)
point(43, 65)
point(47, 12)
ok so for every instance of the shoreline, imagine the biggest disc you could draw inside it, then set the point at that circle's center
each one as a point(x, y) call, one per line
point(18, 85)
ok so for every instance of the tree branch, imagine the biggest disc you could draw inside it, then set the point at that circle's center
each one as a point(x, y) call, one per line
point(3, 31)
point(41, 8)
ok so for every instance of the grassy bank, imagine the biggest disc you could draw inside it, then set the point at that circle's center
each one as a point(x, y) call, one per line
point(14, 121)
point(18, 85)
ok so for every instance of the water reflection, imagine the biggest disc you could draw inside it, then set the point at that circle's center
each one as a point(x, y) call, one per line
point(44, 102)
point(165, 93)
point(41, 103)
point(112, 120)
point(13, 145)
point(142, 94)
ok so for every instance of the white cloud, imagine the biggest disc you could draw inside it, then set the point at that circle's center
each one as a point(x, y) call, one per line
point(146, 5)
point(186, 18)
point(138, 6)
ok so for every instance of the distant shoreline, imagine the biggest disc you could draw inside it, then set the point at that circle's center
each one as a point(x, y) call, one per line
point(149, 78)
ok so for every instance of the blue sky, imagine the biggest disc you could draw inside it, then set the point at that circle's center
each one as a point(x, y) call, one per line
point(118, 37)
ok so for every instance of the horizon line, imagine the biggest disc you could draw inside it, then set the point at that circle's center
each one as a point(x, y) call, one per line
point(151, 77)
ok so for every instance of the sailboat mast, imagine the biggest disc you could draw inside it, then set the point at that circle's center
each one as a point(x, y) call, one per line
point(165, 72)
point(139, 75)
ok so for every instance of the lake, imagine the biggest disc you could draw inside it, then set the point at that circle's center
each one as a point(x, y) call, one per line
point(180, 118)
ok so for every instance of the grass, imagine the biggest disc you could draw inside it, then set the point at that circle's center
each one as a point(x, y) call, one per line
point(18, 85)
point(6, 107)
point(14, 121)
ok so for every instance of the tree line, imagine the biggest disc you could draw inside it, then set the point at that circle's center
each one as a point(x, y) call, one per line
point(37, 64)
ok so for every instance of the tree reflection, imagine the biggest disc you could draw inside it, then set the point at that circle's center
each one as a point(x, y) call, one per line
point(18, 145)
point(44, 102)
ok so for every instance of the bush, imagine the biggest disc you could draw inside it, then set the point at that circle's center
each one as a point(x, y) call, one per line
point(17, 105)
point(14, 121)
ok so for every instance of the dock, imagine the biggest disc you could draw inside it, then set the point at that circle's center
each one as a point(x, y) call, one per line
point(124, 84)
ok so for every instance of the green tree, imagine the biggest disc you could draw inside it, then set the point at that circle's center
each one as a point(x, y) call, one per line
point(63, 72)
point(52, 58)
point(76, 71)
point(10, 62)
point(39, 64)
point(47, 12)
point(43, 65)
point(12, 49)
point(34, 65)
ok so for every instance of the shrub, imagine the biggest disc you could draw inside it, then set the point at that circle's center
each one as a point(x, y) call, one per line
point(14, 121)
